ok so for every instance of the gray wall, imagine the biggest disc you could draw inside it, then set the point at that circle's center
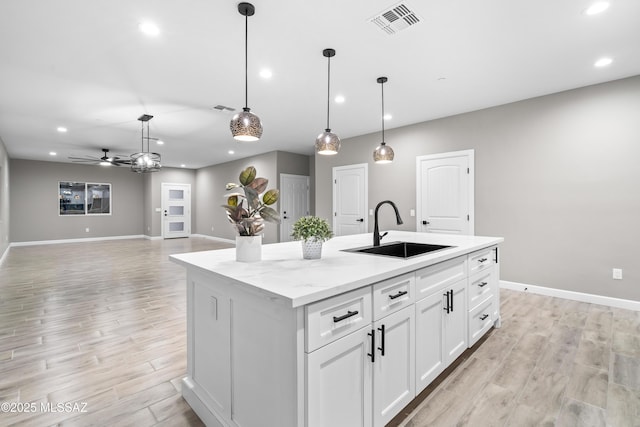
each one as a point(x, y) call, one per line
point(4, 199)
point(210, 190)
point(210, 195)
point(34, 204)
point(556, 176)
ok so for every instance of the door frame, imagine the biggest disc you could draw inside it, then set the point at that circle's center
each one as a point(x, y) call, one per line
point(283, 176)
point(163, 205)
point(470, 154)
point(334, 183)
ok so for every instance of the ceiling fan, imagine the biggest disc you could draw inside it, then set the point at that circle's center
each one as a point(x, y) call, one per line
point(105, 160)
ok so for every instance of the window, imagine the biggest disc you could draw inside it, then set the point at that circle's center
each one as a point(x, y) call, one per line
point(80, 198)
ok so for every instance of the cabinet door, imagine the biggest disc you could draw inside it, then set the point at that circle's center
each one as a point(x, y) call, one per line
point(210, 363)
point(339, 382)
point(455, 323)
point(429, 341)
point(394, 366)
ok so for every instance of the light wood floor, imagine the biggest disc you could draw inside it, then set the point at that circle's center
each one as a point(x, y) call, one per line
point(103, 323)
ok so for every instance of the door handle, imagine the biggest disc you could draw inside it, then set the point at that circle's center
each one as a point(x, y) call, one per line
point(165, 212)
point(360, 220)
point(285, 217)
point(425, 222)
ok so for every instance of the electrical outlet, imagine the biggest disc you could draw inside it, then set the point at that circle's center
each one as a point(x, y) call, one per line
point(86, 230)
point(370, 212)
point(617, 273)
point(412, 212)
point(212, 228)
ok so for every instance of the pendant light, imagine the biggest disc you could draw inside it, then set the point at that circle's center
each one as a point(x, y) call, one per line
point(383, 153)
point(145, 161)
point(246, 126)
point(328, 143)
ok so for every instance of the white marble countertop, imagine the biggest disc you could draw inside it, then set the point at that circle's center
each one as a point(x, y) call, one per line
point(283, 273)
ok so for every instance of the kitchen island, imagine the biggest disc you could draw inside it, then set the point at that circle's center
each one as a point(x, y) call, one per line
point(348, 339)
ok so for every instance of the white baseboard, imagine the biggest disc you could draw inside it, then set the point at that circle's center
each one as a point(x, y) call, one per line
point(217, 239)
point(4, 254)
point(576, 296)
point(87, 239)
point(153, 237)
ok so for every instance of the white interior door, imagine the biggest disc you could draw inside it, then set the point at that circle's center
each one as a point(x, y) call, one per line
point(294, 202)
point(350, 199)
point(445, 190)
point(176, 210)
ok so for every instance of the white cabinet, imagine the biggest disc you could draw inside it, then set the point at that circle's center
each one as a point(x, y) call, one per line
point(393, 365)
point(339, 382)
point(455, 322)
point(429, 343)
point(483, 293)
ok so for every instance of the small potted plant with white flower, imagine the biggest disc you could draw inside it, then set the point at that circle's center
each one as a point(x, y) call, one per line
point(313, 231)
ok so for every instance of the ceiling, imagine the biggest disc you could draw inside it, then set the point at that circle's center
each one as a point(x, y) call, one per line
point(86, 66)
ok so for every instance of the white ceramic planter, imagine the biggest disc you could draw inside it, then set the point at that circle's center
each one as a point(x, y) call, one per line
point(248, 248)
point(311, 249)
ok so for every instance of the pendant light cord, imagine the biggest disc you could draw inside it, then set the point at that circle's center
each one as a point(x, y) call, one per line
point(328, 88)
point(246, 61)
point(382, 86)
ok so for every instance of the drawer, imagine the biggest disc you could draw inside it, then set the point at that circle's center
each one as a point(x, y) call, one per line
point(393, 294)
point(436, 277)
point(335, 317)
point(482, 259)
point(480, 321)
point(481, 287)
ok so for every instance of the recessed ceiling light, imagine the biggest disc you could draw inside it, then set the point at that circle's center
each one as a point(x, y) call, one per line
point(160, 142)
point(183, 166)
point(388, 116)
point(231, 152)
point(149, 28)
point(603, 62)
point(61, 129)
point(339, 99)
point(596, 8)
point(266, 73)
point(53, 153)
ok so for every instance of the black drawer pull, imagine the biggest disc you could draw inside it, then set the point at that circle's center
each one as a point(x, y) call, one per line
point(483, 284)
point(398, 295)
point(344, 316)
point(381, 348)
point(484, 316)
point(483, 260)
point(372, 355)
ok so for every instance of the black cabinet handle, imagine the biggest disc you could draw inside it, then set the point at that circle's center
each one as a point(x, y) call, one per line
point(372, 334)
point(484, 316)
point(447, 306)
point(381, 348)
point(451, 299)
point(483, 260)
point(344, 316)
point(483, 284)
point(496, 260)
point(425, 222)
point(398, 295)
point(360, 220)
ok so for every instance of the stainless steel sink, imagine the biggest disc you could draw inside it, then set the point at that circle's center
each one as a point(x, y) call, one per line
point(399, 249)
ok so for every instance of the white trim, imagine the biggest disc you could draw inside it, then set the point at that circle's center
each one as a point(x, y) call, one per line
point(575, 296)
point(153, 237)
point(217, 239)
point(470, 154)
point(4, 254)
point(88, 239)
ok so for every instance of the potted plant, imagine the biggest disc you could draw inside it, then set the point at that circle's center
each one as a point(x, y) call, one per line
point(248, 210)
point(312, 230)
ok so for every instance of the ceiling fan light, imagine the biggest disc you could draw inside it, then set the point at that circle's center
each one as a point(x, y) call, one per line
point(246, 126)
point(105, 163)
point(383, 154)
point(327, 143)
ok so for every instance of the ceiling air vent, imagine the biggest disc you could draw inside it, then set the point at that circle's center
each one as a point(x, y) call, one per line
point(396, 18)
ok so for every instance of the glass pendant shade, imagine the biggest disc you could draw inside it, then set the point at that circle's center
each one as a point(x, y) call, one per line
point(383, 154)
point(327, 143)
point(145, 161)
point(246, 126)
